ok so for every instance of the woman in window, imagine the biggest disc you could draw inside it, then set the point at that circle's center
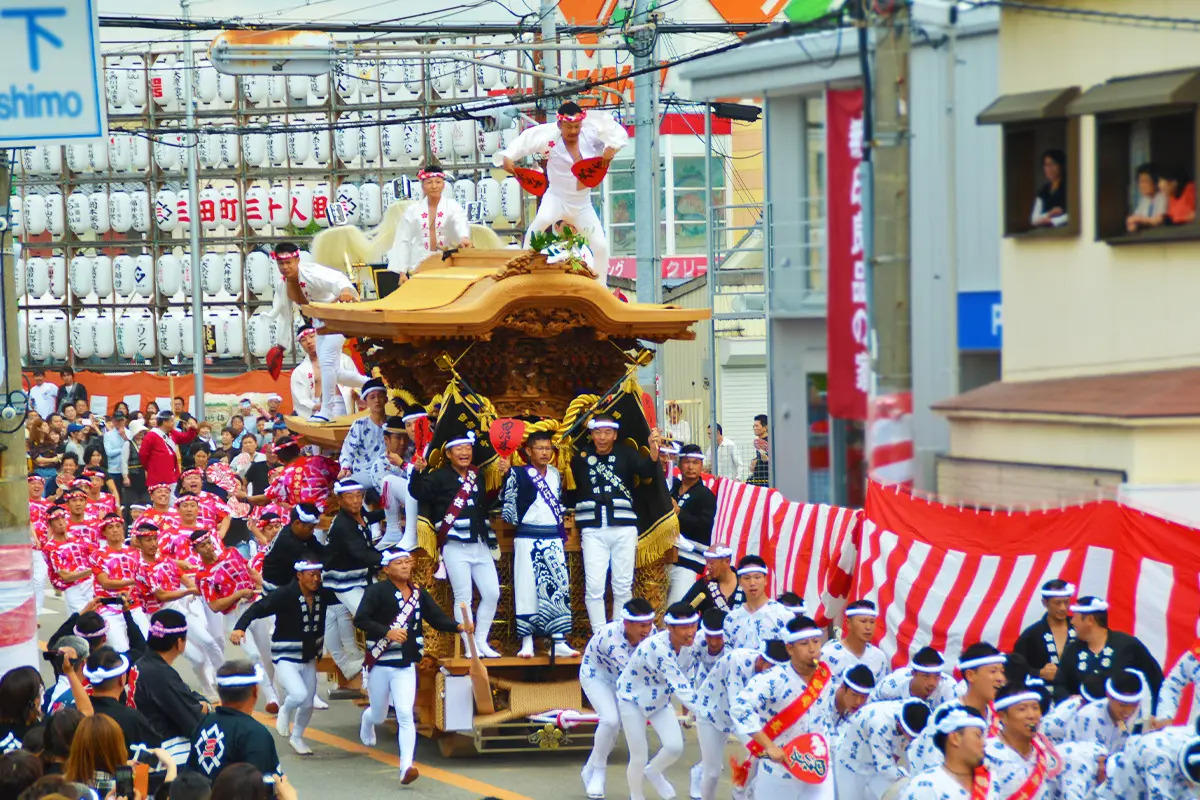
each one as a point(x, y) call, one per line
point(1180, 192)
point(1050, 207)
point(1151, 203)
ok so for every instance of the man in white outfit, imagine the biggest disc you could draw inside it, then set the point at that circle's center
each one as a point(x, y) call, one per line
point(306, 392)
point(575, 136)
point(312, 283)
point(434, 223)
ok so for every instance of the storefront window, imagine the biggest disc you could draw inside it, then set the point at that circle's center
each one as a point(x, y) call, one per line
point(690, 201)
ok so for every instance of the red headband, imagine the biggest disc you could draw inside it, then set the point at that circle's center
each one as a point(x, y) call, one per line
point(423, 174)
point(572, 117)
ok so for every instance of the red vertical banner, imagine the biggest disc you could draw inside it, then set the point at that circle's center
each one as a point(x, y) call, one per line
point(846, 322)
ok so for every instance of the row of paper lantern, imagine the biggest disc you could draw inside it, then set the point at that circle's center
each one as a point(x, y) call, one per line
point(276, 206)
point(141, 275)
point(391, 143)
point(136, 333)
point(128, 87)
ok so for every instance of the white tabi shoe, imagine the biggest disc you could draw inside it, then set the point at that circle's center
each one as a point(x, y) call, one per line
point(485, 650)
point(564, 650)
point(300, 746)
point(695, 775)
point(319, 704)
point(366, 730)
point(661, 785)
point(281, 724)
point(593, 782)
point(526, 650)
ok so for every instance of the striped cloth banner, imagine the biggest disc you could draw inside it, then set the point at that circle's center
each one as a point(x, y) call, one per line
point(18, 613)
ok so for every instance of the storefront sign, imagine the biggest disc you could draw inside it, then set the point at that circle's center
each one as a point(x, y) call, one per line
point(980, 323)
point(673, 267)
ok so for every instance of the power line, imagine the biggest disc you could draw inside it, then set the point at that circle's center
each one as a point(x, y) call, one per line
point(1092, 14)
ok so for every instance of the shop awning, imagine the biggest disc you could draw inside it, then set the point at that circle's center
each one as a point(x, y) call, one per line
point(1181, 87)
point(1029, 106)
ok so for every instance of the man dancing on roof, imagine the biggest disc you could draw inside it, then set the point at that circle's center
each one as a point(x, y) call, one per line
point(575, 136)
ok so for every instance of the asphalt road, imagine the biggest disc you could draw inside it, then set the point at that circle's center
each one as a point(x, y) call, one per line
point(342, 767)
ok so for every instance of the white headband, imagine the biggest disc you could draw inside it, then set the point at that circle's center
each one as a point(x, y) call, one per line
point(100, 675)
point(692, 455)
point(413, 416)
point(861, 612)
point(468, 439)
point(670, 619)
point(791, 637)
point(625, 615)
point(673, 449)
point(719, 552)
point(241, 680)
point(341, 487)
point(1189, 760)
point(1013, 699)
point(389, 556)
point(1094, 607)
point(372, 389)
point(855, 686)
point(751, 569)
point(305, 517)
point(103, 631)
point(1066, 591)
point(930, 669)
point(1124, 698)
point(593, 424)
point(766, 656)
point(710, 632)
point(306, 566)
point(900, 717)
point(982, 661)
point(958, 719)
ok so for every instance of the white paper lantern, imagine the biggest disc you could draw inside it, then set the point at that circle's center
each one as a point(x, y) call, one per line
point(123, 275)
point(143, 275)
point(227, 141)
point(166, 210)
point(16, 214)
point(212, 272)
point(59, 344)
point(127, 334)
point(37, 277)
point(486, 76)
point(487, 141)
point(208, 150)
point(213, 316)
point(231, 272)
point(23, 335)
point(414, 148)
point(77, 212)
point(414, 80)
point(279, 206)
point(256, 211)
point(350, 197)
point(168, 152)
point(254, 149)
point(102, 276)
point(440, 73)
point(38, 339)
point(508, 135)
point(463, 138)
point(170, 275)
point(510, 200)
point(368, 139)
point(20, 274)
point(34, 214)
point(147, 339)
point(188, 266)
point(135, 81)
point(318, 88)
point(368, 80)
point(464, 75)
point(139, 207)
point(83, 335)
point(260, 333)
point(181, 72)
point(299, 147)
point(170, 333)
point(508, 60)
point(391, 79)
point(255, 89)
point(206, 81)
point(391, 139)
point(209, 200)
point(51, 159)
point(119, 151)
point(322, 197)
point(389, 195)
point(234, 337)
point(77, 157)
point(345, 140)
point(98, 212)
point(301, 205)
point(104, 335)
point(277, 89)
point(297, 88)
point(277, 147)
point(259, 269)
point(139, 154)
point(370, 205)
point(116, 88)
point(80, 276)
point(98, 156)
point(465, 191)
point(345, 84)
point(183, 211)
point(226, 88)
point(439, 138)
point(229, 208)
point(28, 162)
point(55, 217)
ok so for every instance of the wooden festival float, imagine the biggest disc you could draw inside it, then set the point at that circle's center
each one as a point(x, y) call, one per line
point(489, 334)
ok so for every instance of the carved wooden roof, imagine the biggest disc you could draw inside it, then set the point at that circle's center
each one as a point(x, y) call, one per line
point(476, 292)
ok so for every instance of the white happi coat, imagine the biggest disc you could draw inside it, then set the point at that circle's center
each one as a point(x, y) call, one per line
point(1186, 671)
point(411, 245)
point(746, 628)
point(606, 654)
point(655, 673)
point(1057, 722)
point(1009, 769)
point(728, 676)
point(1077, 780)
point(840, 659)
point(1092, 723)
point(922, 753)
point(896, 686)
point(1148, 768)
point(937, 784)
point(765, 695)
point(304, 386)
point(872, 744)
point(598, 131)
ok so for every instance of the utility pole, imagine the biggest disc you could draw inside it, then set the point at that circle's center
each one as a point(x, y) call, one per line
point(194, 222)
point(18, 645)
point(646, 180)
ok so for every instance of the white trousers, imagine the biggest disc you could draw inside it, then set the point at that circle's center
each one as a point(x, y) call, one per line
point(397, 687)
point(202, 651)
point(41, 575)
point(256, 642)
point(470, 564)
point(339, 638)
point(299, 684)
point(682, 579)
point(118, 631)
point(670, 737)
point(712, 757)
point(608, 547)
point(603, 698)
point(779, 785)
point(580, 215)
point(329, 362)
point(79, 595)
point(852, 786)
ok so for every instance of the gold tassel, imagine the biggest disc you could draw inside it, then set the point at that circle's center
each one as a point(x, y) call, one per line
point(658, 539)
point(427, 538)
point(493, 478)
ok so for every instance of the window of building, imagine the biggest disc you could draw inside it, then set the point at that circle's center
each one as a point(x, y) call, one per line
point(1145, 156)
point(689, 202)
point(1040, 162)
